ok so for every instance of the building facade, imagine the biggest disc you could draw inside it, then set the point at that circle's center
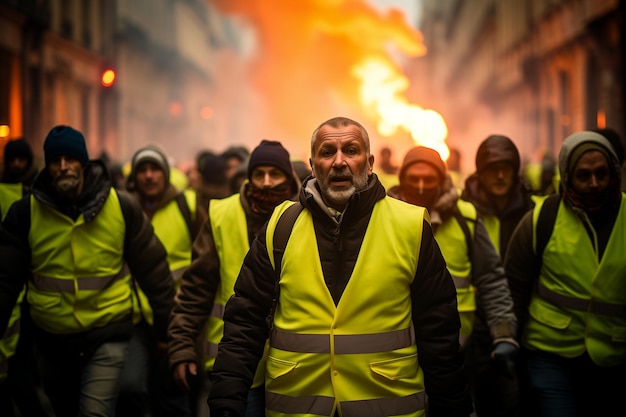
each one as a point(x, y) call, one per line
point(535, 70)
point(53, 54)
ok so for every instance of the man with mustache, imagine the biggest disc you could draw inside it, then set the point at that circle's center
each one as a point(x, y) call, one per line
point(75, 241)
point(207, 284)
point(501, 197)
point(363, 318)
point(571, 300)
point(147, 384)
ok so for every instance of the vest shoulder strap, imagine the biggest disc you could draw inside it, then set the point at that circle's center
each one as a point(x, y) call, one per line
point(466, 231)
point(125, 200)
point(283, 231)
point(183, 206)
point(545, 223)
point(281, 236)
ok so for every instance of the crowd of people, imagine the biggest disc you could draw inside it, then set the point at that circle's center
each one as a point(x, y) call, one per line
point(258, 285)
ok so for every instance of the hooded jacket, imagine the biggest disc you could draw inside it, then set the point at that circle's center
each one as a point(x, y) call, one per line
point(524, 267)
point(434, 311)
point(165, 215)
point(500, 224)
point(142, 252)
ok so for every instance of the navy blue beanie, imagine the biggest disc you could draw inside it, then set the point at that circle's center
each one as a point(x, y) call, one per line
point(67, 141)
point(270, 153)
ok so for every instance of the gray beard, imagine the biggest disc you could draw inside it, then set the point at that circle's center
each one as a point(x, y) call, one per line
point(340, 198)
point(66, 186)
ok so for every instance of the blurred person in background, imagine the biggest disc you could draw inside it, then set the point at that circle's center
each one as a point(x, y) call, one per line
point(213, 181)
point(471, 258)
point(19, 379)
point(235, 156)
point(208, 283)
point(454, 167)
point(147, 384)
point(388, 172)
point(502, 197)
point(566, 272)
point(303, 170)
point(18, 165)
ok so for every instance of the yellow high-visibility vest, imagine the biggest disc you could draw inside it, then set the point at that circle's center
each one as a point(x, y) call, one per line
point(359, 357)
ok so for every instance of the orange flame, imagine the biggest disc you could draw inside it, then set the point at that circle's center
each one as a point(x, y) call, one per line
point(381, 91)
point(316, 59)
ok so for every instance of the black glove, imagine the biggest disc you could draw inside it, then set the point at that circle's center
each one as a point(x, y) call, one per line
point(225, 412)
point(504, 355)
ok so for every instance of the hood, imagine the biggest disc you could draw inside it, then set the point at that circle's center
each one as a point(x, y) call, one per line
point(573, 141)
point(95, 191)
point(497, 148)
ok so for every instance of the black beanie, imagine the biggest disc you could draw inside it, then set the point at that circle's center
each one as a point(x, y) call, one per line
point(212, 167)
point(64, 140)
point(497, 148)
point(18, 148)
point(271, 153)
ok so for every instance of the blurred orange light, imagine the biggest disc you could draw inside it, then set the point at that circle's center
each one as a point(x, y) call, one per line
point(108, 78)
point(206, 112)
point(4, 131)
point(601, 119)
point(175, 108)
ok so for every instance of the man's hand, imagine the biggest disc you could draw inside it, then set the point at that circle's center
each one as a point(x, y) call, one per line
point(183, 372)
point(504, 355)
point(224, 413)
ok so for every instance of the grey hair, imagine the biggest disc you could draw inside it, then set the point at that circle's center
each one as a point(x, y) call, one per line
point(338, 122)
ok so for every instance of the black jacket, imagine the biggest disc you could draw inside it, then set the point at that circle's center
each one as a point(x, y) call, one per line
point(143, 252)
point(435, 315)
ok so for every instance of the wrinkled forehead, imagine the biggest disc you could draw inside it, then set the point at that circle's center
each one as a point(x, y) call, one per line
point(338, 136)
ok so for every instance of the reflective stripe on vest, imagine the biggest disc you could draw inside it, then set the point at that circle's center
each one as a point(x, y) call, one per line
point(217, 312)
point(12, 330)
point(84, 283)
point(343, 343)
point(460, 282)
point(597, 307)
point(579, 304)
point(177, 275)
point(323, 406)
point(89, 255)
point(359, 355)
